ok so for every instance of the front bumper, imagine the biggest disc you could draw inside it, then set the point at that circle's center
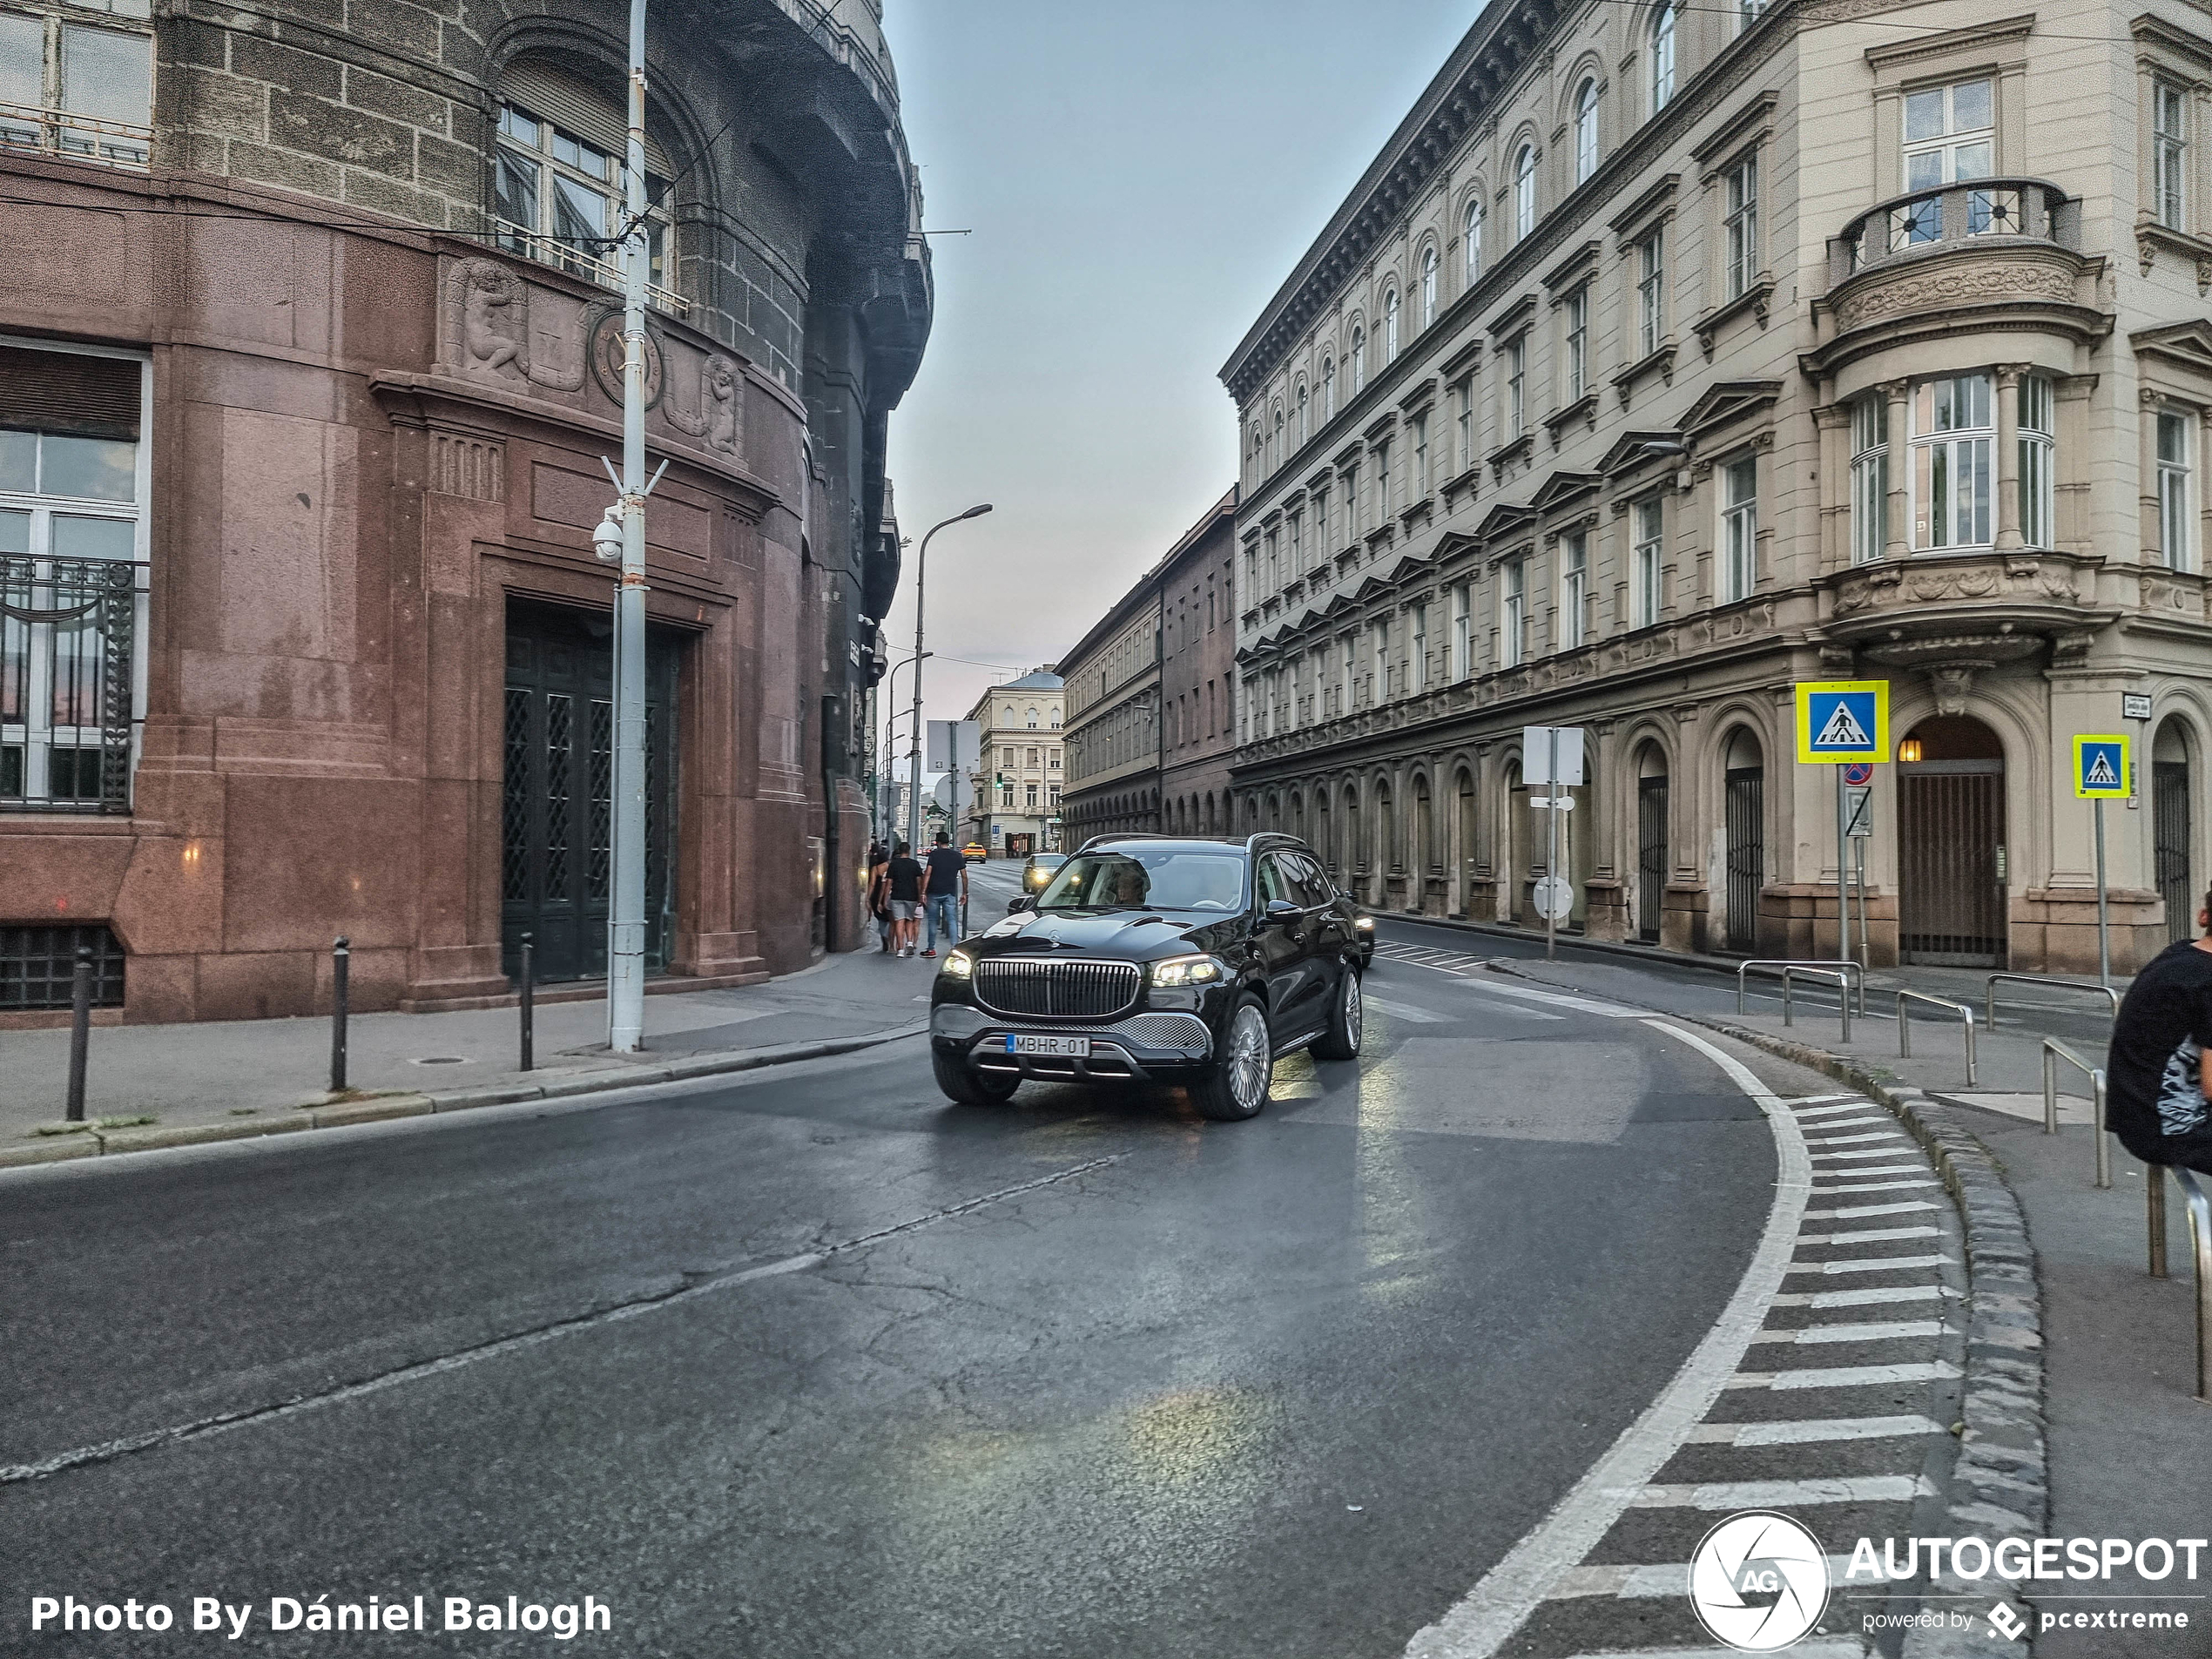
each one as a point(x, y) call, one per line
point(1154, 1046)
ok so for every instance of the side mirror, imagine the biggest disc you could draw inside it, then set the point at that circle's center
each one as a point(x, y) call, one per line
point(1019, 901)
point(1280, 913)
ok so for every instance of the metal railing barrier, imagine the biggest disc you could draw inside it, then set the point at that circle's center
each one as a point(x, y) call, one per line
point(1905, 1026)
point(1833, 965)
point(1989, 1007)
point(2054, 1051)
point(1843, 990)
point(2200, 1209)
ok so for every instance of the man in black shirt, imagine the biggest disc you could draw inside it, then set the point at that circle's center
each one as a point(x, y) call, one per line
point(2160, 1068)
point(905, 874)
point(948, 883)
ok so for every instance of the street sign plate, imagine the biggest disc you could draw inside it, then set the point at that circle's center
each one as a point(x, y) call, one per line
point(2135, 705)
point(1859, 812)
point(1843, 721)
point(1859, 771)
point(1545, 803)
point(1535, 754)
point(2100, 767)
point(1554, 898)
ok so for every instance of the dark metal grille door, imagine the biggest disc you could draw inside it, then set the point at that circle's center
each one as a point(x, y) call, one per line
point(556, 852)
point(1746, 854)
point(1651, 855)
point(2170, 846)
point(1951, 823)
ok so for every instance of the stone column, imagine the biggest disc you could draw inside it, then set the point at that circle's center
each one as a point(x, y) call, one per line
point(2008, 456)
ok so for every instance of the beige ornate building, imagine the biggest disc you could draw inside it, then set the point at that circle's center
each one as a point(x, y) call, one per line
point(1671, 354)
point(1022, 766)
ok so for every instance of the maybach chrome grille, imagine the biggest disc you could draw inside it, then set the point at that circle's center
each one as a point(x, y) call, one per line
point(1042, 989)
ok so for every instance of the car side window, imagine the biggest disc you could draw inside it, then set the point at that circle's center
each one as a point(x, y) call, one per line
point(1272, 884)
point(1312, 883)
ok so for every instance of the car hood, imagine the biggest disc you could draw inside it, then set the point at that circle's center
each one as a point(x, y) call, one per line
point(1131, 935)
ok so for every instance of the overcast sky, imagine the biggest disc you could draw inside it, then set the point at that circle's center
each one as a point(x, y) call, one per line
point(1140, 178)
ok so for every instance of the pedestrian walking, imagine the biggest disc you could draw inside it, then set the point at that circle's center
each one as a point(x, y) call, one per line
point(2159, 1071)
point(905, 873)
point(879, 892)
point(947, 886)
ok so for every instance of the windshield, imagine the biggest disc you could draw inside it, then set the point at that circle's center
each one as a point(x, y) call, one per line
point(1165, 879)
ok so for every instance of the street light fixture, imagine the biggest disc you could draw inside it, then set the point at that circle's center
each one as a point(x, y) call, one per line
point(890, 738)
point(914, 769)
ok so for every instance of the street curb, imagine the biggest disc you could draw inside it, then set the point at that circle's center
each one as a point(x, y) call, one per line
point(379, 1109)
point(2000, 1482)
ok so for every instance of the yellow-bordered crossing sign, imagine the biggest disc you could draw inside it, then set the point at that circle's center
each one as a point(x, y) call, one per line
point(2100, 767)
point(1843, 721)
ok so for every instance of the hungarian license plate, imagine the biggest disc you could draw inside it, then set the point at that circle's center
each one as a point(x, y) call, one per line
point(1064, 1047)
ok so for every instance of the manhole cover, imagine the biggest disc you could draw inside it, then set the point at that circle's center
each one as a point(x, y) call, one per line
point(442, 1060)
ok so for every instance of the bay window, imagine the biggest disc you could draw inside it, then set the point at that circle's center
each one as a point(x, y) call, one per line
point(1869, 477)
point(2038, 440)
point(1954, 436)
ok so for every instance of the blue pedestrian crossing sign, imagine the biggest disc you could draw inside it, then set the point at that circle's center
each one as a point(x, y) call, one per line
point(1840, 720)
point(2100, 768)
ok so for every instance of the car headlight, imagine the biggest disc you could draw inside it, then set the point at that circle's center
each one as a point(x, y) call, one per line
point(1365, 924)
point(958, 965)
point(1185, 970)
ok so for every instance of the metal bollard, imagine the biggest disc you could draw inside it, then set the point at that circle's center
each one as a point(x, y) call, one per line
point(340, 956)
point(80, 1032)
point(2104, 1145)
point(2154, 1213)
point(2050, 1093)
point(530, 987)
point(2200, 1213)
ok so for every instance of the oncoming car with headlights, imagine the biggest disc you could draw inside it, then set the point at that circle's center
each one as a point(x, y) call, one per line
point(1152, 959)
point(1036, 872)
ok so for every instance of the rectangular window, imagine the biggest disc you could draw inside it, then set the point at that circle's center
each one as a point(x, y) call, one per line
point(1421, 647)
point(1513, 604)
point(1382, 483)
point(1650, 545)
point(1321, 526)
point(1274, 562)
point(1869, 477)
point(1378, 684)
point(1347, 680)
point(2037, 436)
point(1573, 588)
point(2174, 538)
point(75, 91)
point(1464, 393)
point(1578, 343)
point(1953, 438)
point(1739, 528)
point(1742, 226)
point(2169, 152)
point(1516, 386)
point(1651, 290)
point(1420, 458)
point(1950, 134)
point(1463, 630)
point(1351, 504)
point(1297, 549)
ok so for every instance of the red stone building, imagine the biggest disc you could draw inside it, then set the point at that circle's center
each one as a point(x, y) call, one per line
point(309, 356)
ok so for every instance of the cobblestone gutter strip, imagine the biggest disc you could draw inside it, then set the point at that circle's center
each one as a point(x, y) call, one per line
point(376, 1109)
point(1999, 1484)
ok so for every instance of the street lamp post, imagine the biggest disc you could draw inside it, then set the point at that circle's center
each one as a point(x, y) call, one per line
point(890, 743)
point(914, 768)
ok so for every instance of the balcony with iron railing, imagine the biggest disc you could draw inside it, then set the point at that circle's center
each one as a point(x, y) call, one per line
point(566, 256)
point(68, 136)
point(1980, 213)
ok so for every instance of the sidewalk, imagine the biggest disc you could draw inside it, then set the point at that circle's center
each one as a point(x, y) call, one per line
point(258, 1075)
point(2129, 1448)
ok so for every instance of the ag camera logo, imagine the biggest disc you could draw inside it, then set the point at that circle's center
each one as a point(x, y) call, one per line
point(1759, 1581)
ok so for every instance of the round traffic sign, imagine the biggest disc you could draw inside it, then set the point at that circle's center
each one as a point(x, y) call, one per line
point(1859, 772)
point(1554, 898)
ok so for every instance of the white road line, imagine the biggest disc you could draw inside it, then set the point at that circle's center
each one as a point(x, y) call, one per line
point(1853, 1122)
point(1787, 1494)
point(1512, 1011)
point(1824, 1190)
point(1846, 1376)
point(1482, 1620)
point(1407, 1011)
point(1643, 1582)
point(1851, 1211)
point(1555, 999)
point(1816, 1100)
point(1822, 1176)
point(1853, 1140)
point(1892, 1331)
point(1869, 1236)
point(1813, 1430)
point(1868, 1296)
point(1847, 1158)
point(1873, 1265)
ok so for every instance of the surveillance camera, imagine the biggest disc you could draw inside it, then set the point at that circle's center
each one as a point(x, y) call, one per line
point(606, 541)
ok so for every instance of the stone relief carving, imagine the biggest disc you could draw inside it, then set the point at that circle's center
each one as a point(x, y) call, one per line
point(1938, 290)
point(472, 468)
point(493, 305)
point(1892, 581)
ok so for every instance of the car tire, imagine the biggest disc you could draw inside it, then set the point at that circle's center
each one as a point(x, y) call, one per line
point(965, 1086)
point(1347, 1020)
point(1235, 1087)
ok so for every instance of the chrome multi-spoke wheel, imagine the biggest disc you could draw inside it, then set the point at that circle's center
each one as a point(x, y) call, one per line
point(1347, 1020)
point(1355, 1008)
point(1237, 1086)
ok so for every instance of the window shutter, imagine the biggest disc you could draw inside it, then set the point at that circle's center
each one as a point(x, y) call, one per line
point(567, 102)
point(69, 392)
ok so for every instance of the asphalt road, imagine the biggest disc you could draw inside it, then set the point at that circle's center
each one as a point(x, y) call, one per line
point(1275, 1389)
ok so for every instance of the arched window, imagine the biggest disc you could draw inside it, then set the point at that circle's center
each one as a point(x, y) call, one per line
point(1474, 238)
point(1390, 326)
point(1279, 437)
point(557, 189)
point(1428, 287)
point(1662, 57)
point(1524, 192)
point(1586, 131)
point(1359, 359)
point(1328, 389)
point(1305, 425)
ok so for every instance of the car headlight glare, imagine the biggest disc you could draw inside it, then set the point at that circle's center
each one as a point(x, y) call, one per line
point(1186, 971)
point(1365, 924)
point(958, 965)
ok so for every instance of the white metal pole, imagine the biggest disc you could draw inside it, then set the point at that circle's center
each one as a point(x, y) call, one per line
point(1551, 845)
point(2104, 912)
point(626, 914)
point(1842, 874)
point(914, 755)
